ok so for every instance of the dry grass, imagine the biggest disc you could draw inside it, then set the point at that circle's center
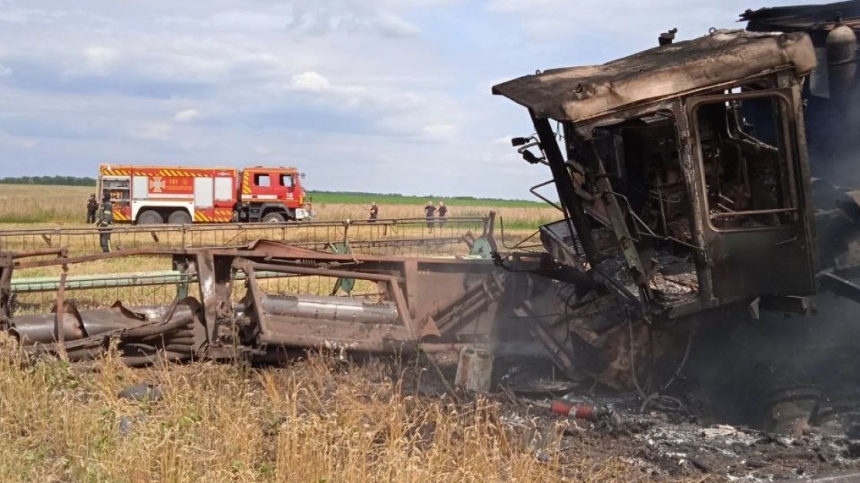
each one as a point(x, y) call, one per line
point(55, 205)
point(315, 421)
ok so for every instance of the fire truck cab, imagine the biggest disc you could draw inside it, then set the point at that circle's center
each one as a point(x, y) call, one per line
point(149, 195)
point(270, 195)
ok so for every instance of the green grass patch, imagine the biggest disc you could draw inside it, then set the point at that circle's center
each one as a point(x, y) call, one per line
point(397, 199)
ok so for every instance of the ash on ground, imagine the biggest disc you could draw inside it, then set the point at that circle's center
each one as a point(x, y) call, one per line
point(661, 437)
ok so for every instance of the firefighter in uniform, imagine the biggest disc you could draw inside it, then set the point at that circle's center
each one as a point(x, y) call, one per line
point(92, 207)
point(104, 222)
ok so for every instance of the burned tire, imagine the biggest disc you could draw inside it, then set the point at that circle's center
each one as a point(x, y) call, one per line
point(273, 218)
point(179, 217)
point(150, 217)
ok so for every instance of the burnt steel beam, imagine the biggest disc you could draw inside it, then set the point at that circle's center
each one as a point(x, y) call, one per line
point(303, 332)
point(564, 185)
point(59, 252)
point(840, 286)
point(88, 282)
point(104, 256)
point(325, 272)
point(260, 249)
point(387, 222)
point(32, 329)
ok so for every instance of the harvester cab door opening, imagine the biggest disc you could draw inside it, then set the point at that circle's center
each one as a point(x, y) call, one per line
point(755, 214)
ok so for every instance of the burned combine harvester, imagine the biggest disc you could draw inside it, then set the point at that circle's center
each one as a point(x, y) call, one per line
point(688, 208)
point(684, 175)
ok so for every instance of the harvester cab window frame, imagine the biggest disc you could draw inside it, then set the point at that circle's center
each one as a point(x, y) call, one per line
point(749, 182)
point(640, 153)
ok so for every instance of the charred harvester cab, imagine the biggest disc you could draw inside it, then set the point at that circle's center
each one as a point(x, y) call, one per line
point(684, 177)
point(150, 195)
point(683, 170)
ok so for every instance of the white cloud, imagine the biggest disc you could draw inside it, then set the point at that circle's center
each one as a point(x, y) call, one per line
point(5, 71)
point(26, 143)
point(153, 131)
point(524, 5)
point(100, 60)
point(186, 115)
point(309, 82)
point(440, 132)
point(636, 27)
point(388, 80)
point(396, 26)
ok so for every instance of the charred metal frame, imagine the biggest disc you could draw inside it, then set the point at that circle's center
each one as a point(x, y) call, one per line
point(384, 233)
point(708, 248)
point(424, 302)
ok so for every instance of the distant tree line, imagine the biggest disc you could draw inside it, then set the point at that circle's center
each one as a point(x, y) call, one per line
point(50, 180)
point(398, 195)
point(338, 196)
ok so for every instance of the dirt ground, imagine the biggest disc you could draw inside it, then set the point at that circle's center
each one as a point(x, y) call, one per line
point(664, 442)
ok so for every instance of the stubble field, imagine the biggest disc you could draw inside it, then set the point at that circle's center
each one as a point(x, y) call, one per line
point(48, 206)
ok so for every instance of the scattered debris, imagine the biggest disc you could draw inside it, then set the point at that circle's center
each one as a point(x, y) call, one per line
point(142, 392)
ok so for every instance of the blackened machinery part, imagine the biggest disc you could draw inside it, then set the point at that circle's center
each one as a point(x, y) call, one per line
point(31, 329)
point(840, 286)
point(330, 308)
point(841, 62)
point(564, 185)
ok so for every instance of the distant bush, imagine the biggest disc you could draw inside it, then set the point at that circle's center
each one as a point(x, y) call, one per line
point(50, 180)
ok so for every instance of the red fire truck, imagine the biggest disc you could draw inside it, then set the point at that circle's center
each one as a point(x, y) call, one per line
point(148, 195)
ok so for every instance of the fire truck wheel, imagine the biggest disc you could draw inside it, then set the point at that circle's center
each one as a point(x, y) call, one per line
point(149, 217)
point(273, 218)
point(179, 217)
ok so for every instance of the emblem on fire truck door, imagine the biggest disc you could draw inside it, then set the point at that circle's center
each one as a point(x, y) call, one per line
point(156, 184)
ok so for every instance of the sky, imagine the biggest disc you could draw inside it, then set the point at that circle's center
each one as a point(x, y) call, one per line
point(389, 96)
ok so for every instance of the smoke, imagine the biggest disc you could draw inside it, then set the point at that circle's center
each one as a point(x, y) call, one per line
point(522, 348)
point(831, 132)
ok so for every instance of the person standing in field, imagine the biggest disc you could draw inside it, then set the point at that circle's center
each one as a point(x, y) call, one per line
point(430, 212)
point(443, 212)
point(92, 207)
point(374, 212)
point(104, 223)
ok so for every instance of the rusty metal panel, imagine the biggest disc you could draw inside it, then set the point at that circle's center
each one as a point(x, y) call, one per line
point(580, 93)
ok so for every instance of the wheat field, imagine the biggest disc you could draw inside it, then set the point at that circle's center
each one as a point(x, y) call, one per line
point(50, 206)
point(318, 420)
